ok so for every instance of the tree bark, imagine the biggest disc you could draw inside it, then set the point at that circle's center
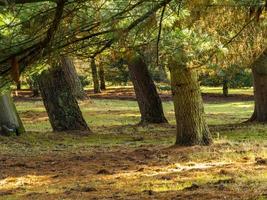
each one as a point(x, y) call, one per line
point(102, 78)
point(35, 92)
point(10, 121)
point(72, 77)
point(95, 76)
point(34, 86)
point(225, 88)
point(61, 105)
point(259, 71)
point(19, 85)
point(148, 99)
point(188, 106)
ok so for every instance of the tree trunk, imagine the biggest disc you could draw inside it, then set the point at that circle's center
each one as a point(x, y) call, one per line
point(10, 121)
point(72, 77)
point(148, 99)
point(61, 105)
point(164, 73)
point(259, 71)
point(225, 88)
point(95, 76)
point(35, 92)
point(19, 85)
point(34, 87)
point(102, 78)
point(188, 104)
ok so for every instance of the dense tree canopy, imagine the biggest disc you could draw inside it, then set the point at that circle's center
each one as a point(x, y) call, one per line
point(33, 31)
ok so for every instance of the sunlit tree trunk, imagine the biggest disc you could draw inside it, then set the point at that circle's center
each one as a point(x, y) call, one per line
point(148, 99)
point(95, 76)
point(259, 71)
point(164, 73)
point(10, 121)
point(61, 105)
point(102, 77)
point(72, 77)
point(188, 106)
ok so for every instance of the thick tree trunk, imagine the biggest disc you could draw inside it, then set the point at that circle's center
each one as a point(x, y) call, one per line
point(95, 76)
point(72, 77)
point(102, 78)
point(10, 121)
point(61, 105)
point(225, 88)
point(148, 99)
point(259, 71)
point(189, 111)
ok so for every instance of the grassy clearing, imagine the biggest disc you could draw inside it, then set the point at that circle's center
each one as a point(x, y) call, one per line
point(124, 161)
point(218, 90)
point(204, 89)
point(100, 113)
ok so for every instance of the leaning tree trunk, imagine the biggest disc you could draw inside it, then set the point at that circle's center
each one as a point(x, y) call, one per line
point(72, 77)
point(10, 121)
point(189, 111)
point(102, 78)
point(148, 99)
point(61, 105)
point(259, 71)
point(95, 76)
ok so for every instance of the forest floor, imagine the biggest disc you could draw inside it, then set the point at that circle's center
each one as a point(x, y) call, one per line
point(120, 160)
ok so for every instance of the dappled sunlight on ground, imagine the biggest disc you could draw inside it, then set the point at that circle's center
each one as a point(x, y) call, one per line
point(29, 181)
point(121, 160)
point(124, 168)
point(99, 113)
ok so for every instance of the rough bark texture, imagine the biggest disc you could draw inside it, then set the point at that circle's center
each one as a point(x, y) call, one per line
point(149, 102)
point(72, 77)
point(95, 76)
point(9, 118)
point(189, 111)
point(102, 78)
point(259, 71)
point(61, 105)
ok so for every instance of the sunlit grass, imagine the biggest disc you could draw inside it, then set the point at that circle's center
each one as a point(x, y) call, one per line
point(226, 169)
point(28, 180)
point(204, 89)
point(218, 90)
point(114, 123)
point(99, 113)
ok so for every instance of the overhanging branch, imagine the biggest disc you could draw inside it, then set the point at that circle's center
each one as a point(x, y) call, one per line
point(7, 2)
point(26, 56)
